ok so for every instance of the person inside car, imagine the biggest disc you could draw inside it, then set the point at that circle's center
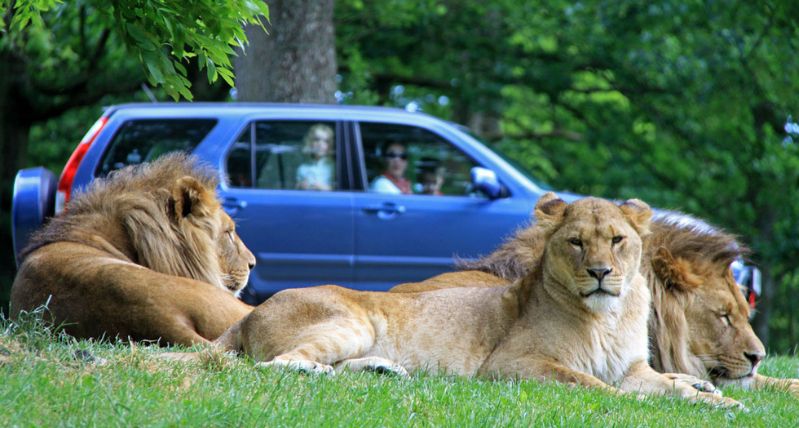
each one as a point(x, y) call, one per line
point(392, 180)
point(431, 182)
point(317, 172)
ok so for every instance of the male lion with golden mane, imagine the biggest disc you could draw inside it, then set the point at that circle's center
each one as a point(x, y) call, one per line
point(579, 316)
point(145, 254)
point(699, 319)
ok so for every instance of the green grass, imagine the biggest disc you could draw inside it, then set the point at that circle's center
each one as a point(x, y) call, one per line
point(45, 382)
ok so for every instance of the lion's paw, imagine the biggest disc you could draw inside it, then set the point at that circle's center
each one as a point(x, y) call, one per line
point(392, 369)
point(721, 402)
point(373, 364)
point(793, 387)
point(694, 382)
point(304, 366)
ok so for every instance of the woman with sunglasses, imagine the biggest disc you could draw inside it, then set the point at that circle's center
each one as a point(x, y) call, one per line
point(393, 180)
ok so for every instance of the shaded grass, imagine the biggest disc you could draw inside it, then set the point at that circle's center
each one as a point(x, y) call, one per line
point(47, 379)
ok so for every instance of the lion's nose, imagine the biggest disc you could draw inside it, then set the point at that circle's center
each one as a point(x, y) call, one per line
point(754, 357)
point(599, 273)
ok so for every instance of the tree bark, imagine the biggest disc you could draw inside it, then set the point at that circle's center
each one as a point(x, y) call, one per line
point(296, 61)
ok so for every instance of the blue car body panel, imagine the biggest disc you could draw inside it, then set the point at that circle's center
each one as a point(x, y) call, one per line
point(417, 236)
point(297, 240)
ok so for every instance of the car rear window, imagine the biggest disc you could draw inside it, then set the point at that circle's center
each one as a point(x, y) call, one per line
point(143, 140)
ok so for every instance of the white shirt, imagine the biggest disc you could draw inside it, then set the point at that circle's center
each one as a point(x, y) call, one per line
point(317, 174)
point(381, 184)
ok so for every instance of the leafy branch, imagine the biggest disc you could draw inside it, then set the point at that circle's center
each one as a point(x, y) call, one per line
point(162, 34)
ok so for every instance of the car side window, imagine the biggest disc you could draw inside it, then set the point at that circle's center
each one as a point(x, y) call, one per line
point(285, 155)
point(143, 140)
point(410, 160)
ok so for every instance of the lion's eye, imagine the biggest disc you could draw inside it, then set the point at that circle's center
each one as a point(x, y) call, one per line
point(726, 319)
point(616, 239)
point(230, 236)
point(576, 242)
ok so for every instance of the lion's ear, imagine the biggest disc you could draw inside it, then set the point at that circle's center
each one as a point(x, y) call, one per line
point(638, 213)
point(675, 273)
point(549, 210)
point(190, 197)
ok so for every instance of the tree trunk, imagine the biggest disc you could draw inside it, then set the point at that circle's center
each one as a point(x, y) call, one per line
point(485, 124)
point(296, 61)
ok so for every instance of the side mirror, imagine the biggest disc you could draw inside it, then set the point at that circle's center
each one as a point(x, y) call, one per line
point(486, 182)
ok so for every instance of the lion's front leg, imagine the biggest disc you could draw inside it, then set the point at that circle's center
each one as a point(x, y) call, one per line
point(314, 348)
point(788, 385)
point(643, 379)
point(544, 369)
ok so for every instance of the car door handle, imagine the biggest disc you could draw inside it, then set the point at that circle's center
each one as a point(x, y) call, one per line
point(233, 205)
point(385, 211)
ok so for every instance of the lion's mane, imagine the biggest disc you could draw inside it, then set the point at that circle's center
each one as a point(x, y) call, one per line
point(138, 199)
point(685, 238)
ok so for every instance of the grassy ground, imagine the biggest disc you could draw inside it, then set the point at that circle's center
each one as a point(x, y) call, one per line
point(48, 380)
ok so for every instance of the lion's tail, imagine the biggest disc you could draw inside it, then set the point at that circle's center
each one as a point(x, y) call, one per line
point(230, 340)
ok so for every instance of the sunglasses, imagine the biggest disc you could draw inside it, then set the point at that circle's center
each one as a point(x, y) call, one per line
point(395, 155)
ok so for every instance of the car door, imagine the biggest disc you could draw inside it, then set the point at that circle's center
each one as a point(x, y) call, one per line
point(412, 228)
point(285, 193)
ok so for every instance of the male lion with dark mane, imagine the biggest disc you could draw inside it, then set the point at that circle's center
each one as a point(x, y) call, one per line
point(146, 253)
point(579, 316)
point(699, 319)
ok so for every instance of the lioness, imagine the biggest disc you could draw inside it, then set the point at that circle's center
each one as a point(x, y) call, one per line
point(579, 316)
point(146, 253)
point(699, 320)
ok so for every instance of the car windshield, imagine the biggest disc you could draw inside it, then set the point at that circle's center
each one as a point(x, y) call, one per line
point(524, 171)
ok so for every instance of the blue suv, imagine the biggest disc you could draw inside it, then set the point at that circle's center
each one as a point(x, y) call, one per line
point(363, 197)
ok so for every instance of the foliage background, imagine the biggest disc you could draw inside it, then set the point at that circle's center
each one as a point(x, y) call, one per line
point(688, 105)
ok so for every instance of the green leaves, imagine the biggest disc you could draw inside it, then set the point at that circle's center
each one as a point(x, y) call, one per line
point(167, 34)
point(162, 34)
point(24, 13)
